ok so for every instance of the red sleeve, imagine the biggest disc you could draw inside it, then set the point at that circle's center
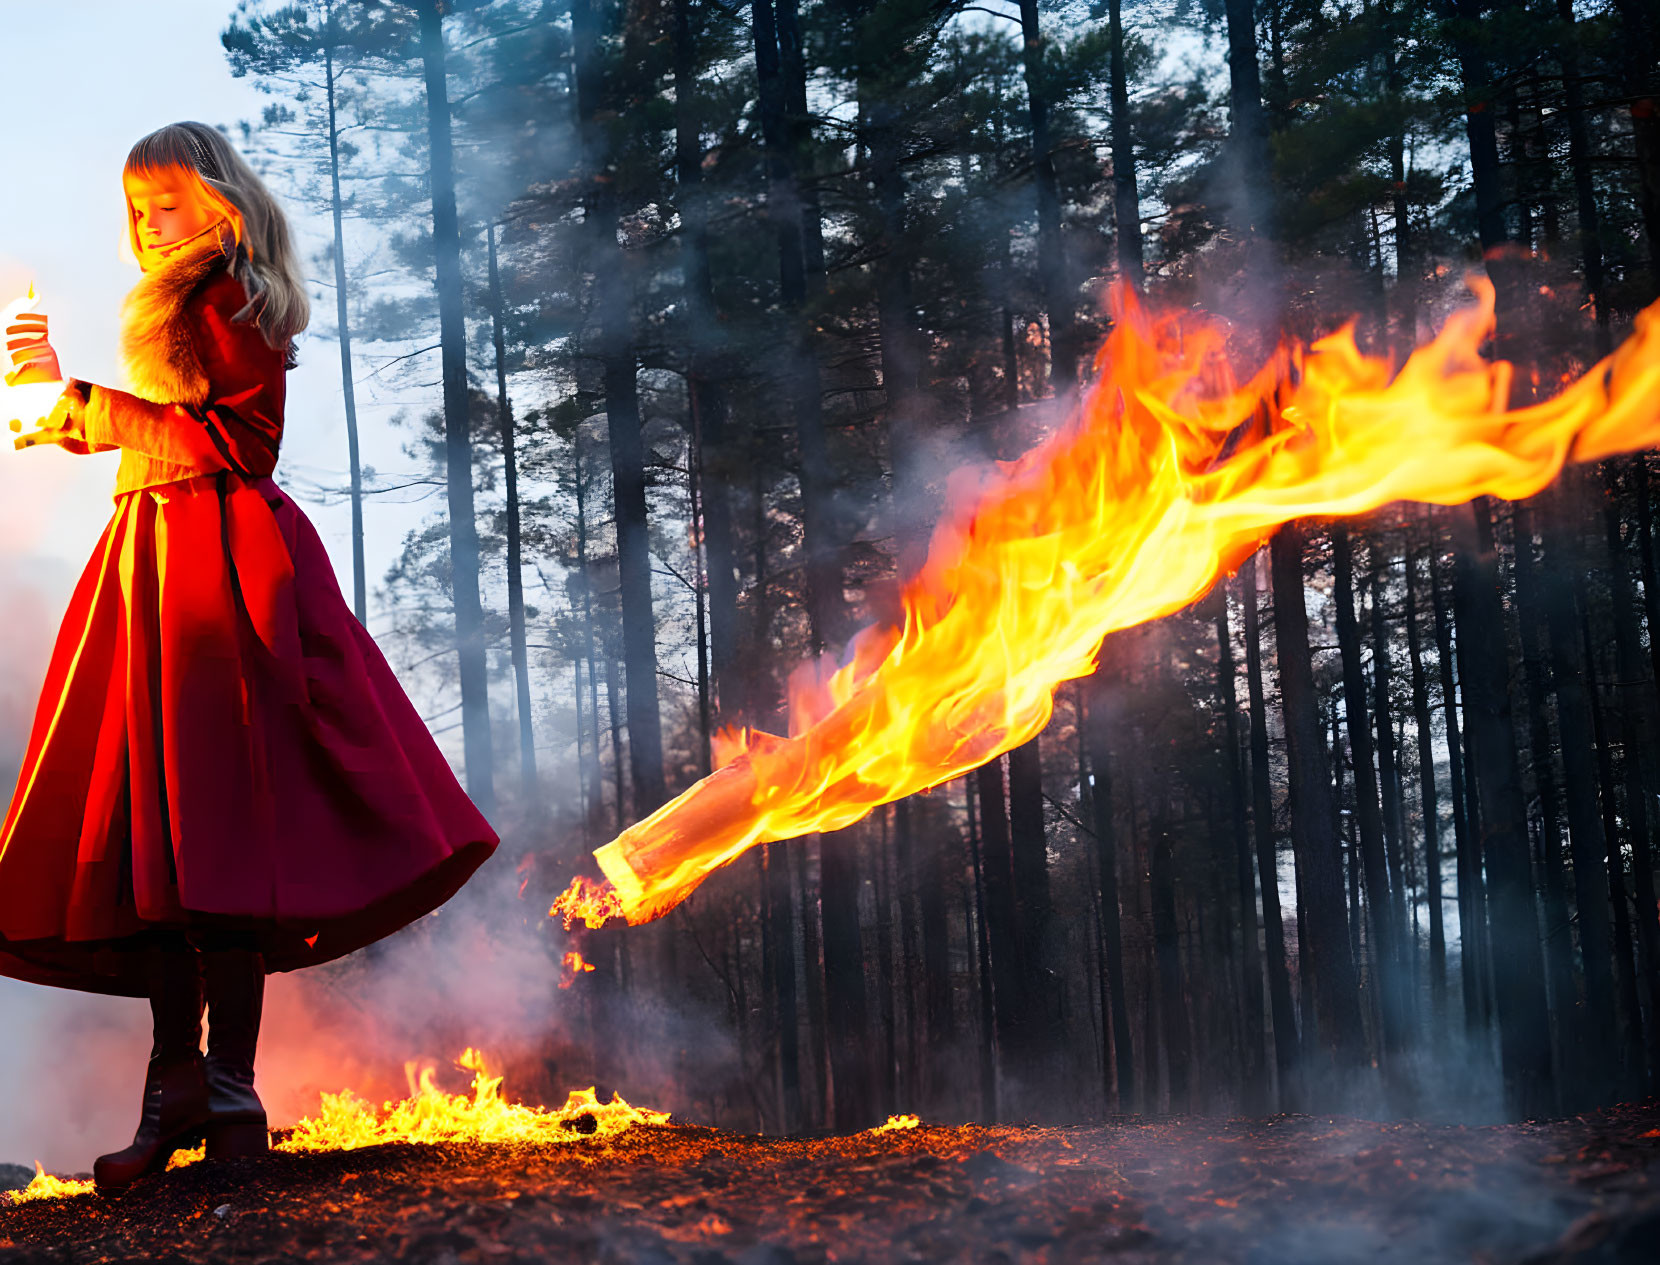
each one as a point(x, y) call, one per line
point(238, 426)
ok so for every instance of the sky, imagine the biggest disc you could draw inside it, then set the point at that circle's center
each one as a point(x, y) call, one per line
point(84, 80)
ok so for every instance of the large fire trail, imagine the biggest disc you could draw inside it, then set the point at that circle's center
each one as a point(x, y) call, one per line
point(1169, 474)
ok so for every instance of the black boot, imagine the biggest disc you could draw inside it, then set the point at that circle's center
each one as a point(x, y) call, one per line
point(175, 1088)
point(235, 985)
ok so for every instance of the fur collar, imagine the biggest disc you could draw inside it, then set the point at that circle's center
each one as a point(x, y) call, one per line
point(158, 352)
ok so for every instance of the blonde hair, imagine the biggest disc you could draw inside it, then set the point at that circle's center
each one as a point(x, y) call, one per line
point(264, 260)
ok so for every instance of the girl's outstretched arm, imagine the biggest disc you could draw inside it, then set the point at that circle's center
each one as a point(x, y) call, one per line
point(236, 425)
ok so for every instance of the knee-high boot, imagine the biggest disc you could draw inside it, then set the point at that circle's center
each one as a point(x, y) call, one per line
point(175, 1088)
point(235, 986)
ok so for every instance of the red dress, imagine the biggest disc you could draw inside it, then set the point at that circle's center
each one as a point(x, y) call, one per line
point(218, 740)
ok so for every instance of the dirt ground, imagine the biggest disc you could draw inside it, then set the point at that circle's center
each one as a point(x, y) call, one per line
point(1282, 1189)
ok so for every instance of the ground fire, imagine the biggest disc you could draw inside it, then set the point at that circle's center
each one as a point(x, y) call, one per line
point(345, 1122)
point(1170, 473)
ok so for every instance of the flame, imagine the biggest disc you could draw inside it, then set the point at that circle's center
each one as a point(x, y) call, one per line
point(574, 964)
point(45, 1186)
point(1168, 474)
point(592, 904)
point(31, 402)
point(895, 1123)
point(345, 1121)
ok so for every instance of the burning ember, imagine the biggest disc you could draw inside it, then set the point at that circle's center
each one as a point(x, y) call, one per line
point(574, 965)
point(1169, 474)
point(346, 1122)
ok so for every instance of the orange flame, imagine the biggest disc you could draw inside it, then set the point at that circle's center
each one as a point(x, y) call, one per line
point(1167, 475)
point(429, 1114)
point(345, 1122)
point(585, 901)
point(29, 402)
point(893, 1124)
point(45, 1186)
point(574, 964)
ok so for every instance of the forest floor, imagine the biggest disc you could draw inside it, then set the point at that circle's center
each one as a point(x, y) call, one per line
point(1282, 1189)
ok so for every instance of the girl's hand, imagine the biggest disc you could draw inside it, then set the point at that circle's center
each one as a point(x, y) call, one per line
point(31, 351)
point(64, 422)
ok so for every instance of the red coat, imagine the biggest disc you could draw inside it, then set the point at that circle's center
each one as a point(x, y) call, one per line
point(218, 740)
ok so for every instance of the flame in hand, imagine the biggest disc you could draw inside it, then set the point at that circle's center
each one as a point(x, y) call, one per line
point(1170, 473)
point(26, 403)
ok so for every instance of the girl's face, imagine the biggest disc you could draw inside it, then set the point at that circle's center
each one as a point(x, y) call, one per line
point(167, 209)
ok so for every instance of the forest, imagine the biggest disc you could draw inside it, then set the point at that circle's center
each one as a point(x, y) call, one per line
point(709, 300)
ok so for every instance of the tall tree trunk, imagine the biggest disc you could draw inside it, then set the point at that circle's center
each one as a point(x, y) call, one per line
point(1632, 697)
point(939, 1023)
point(898, 339)
point(886, 1085)
point(1328, 967)
point(1430, 806)
point(1480, 112)
point(1028, 845)
point(515, 564)
point(1342, 827)
point(1405, 297)
point(839, 887)
point(1058, 297)
point(704, 384)
point(1041, 1034)
point(853, 1091)
point(1646, 559)
point(987, 1047)
point(458, 441)
point(1251, 160)
point(1013, 1005)
point(1469, 936)
point(813, 972)
point(590, 641)
point(1250, 960)
point(1167, 956)
point(342, 319)
point(613, 278)
point(1588, 846)
point(1281, 1009)
point(824, 581)
point(619, 759)
point(793, 62)
point(1379, 912)
point(1579, 165)
point(1639, 46)
point(1484, 663)
point(1106, 860)
point(904, 896)
point(1389, 776)
point(584, 802)
point(1625, 967)
point(781, 918)
point(1126, 201)
point(1558, 941)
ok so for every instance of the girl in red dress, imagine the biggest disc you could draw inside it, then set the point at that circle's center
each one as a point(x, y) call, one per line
point(223, 778)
